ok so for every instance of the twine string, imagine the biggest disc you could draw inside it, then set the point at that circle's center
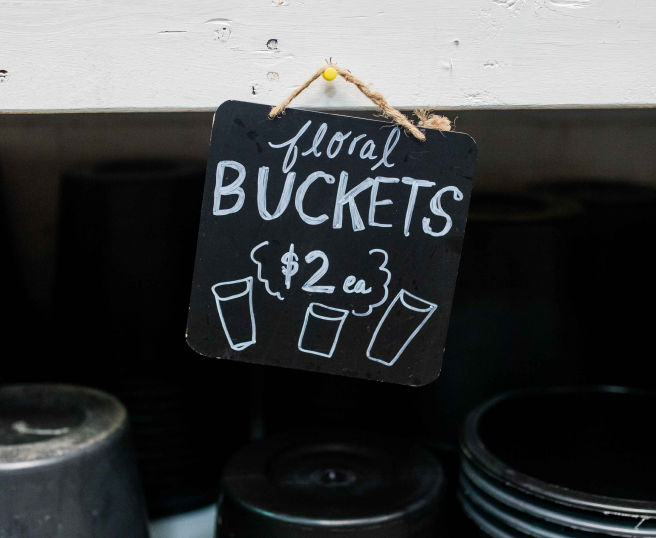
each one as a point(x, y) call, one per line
point(426, 118)
point(282, 106)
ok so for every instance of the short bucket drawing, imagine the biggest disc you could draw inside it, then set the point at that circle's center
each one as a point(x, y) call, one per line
point(403, 319)
point(234, 301)
point(321, 329)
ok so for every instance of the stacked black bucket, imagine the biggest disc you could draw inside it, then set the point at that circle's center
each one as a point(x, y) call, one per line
point(67, 467)
point(613, 273)
point(513, 322)
point(127, 240)
point(329, 484)
point(561, 463)
point(549, 288)
point(14, 301)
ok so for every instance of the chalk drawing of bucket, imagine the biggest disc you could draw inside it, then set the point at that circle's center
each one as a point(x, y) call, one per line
point(234, 301)
point(403, 319)
point(321, 329)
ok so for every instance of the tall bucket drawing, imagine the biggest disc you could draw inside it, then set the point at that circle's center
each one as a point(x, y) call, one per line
point(403, 319)
point(234, 301)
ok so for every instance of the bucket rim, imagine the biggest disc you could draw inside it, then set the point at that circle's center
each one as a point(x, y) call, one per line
point(476, 453)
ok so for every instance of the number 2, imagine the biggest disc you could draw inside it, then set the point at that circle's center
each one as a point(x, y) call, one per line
point(309, 285)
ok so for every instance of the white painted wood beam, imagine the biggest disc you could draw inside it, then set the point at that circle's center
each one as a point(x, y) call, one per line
point(100, 55)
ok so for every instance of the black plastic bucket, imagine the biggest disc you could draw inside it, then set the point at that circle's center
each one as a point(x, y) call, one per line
point(126, 250)
point(513, 323)
point(614, 276)
point(20, 316)
point(67, 468)
point(326, 485)
point(561, 462)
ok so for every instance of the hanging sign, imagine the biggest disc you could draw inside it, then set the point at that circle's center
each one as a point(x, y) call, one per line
point(329, 243)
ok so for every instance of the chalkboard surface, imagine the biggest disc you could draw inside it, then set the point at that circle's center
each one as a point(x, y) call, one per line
point(329, 243)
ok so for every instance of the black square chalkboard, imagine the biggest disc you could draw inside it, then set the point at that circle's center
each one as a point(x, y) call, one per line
point(329, 243)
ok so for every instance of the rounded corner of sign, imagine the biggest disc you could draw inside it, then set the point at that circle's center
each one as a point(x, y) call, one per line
point(225, 107)
point(430, 379)
point(473, 146)
point(226, 104)
point(193, 347)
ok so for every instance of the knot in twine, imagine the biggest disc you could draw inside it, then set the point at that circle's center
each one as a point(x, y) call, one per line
point(427, 119)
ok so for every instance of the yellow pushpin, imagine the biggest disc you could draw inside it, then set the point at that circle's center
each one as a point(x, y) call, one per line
point(329, 73)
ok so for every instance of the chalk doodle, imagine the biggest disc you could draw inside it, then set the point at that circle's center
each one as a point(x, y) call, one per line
point(400, 316)
point(389, 277)
point(321, 329)
point(238, 325)
point(259, 272)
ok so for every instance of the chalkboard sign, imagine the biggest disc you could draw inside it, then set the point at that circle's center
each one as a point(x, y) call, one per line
point(329, 243)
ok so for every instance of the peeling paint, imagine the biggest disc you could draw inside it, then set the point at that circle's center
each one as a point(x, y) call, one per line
point(273, 76)
point(512, 5)
point(223, 34)
point(272, 44)
point(256, 89)
point(505, 3)
point(570, 3)
point(492, 64)
point(476, 98)
point(4, 75)
point(279, 2)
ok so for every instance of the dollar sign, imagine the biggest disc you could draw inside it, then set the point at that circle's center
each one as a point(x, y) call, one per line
point(291, 267)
